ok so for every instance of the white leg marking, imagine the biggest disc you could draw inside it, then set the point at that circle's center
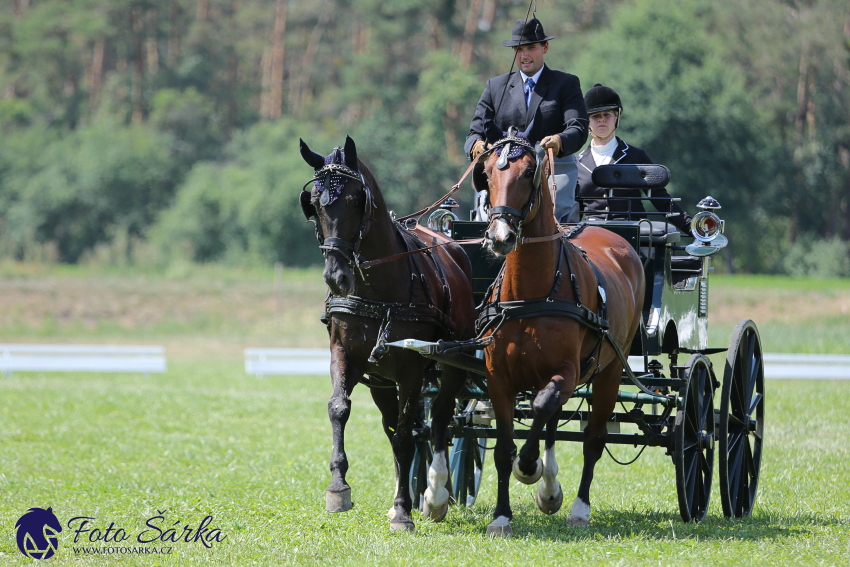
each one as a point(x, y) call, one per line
point(436, 495)
point(580, 515)
point(500, 527)
point(391, 511)
point(549, 486)
point(501, 521)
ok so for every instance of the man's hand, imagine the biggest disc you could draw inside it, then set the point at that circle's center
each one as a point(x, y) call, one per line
point(478, 148)
point(553, 142)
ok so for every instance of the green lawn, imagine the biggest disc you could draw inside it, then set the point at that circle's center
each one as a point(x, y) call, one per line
point(204, 439)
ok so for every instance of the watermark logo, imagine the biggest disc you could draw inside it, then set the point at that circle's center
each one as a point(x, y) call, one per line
point(38, 533)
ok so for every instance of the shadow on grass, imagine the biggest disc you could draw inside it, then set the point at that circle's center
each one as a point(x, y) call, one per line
point(653, 525)
point(656, 525)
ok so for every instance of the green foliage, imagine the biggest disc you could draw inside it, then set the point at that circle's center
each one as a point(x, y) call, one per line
point(244, 209)
point(192, 119)
point(743, 99)
point(819, 258)
point(75, 189)
point(685, 106)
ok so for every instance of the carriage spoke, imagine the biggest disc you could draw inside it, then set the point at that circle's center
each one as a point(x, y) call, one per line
point(735, 420)
point(754, 403)
point(691, 478)
point(735, 438)
point(736, 459)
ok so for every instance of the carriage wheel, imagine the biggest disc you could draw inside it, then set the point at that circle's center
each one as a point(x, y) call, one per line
point(693, 435)
point(466, 464)
point(741, 427)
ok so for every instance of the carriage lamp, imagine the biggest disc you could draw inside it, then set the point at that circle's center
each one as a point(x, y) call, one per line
point(441, 220)
point(707, 228)
point(706, 225)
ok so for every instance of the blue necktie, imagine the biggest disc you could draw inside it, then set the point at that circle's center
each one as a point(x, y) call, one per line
point(529, 88)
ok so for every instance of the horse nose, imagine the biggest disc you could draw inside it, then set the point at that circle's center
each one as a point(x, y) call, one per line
point(338, 280)
point(500, 238)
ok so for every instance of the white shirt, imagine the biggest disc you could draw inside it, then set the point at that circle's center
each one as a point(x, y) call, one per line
point(535, 78)
point(604, 155)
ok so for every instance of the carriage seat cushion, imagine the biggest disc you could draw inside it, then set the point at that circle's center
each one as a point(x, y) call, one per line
point(662, 232)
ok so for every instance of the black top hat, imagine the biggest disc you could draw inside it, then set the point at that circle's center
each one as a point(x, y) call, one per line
point(526, 32)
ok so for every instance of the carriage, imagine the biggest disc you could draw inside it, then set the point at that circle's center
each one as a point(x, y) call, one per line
point(669, 390)
point(440, 392)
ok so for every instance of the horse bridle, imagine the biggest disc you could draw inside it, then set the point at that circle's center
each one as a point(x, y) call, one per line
point(514, 217)
point(348, 250)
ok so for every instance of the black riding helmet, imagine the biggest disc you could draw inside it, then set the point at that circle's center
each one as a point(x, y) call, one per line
point(600, 98)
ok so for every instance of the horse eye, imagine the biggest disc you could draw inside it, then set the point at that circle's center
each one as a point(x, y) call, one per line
point(529, 173)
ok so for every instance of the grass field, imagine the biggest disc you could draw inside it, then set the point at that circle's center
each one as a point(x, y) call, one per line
point(206, 440)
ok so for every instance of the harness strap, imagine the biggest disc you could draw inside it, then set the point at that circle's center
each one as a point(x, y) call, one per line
point(419, 312)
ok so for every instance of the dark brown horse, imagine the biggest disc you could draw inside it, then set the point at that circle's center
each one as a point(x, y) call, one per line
point(427, 296)
point(551, 341)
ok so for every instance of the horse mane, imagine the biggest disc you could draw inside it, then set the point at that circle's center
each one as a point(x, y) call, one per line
point(380, 204)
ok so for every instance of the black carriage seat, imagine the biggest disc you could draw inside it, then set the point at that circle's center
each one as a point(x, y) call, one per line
point(645, 177)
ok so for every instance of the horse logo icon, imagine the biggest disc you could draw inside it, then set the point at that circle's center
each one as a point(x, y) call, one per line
point(38, 533)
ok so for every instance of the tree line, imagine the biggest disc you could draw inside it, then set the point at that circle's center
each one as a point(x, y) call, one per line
point(154, 130)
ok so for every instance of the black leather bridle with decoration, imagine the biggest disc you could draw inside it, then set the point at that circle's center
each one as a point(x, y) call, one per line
point(348, 250)
point(515, 217)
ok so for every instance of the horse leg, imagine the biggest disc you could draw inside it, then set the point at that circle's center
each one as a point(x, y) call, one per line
point(387, 401)
point(343, 377)
point(549, 496)
point(605, 389)
point(503, 457)
point(402, 443)
point(437, 495)
point(528, 467)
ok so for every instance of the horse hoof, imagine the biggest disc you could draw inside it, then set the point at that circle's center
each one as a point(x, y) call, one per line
point(520, 476)
point(437, 514)
point(578, 522)
point(499, 528)
point(338, 501)
point(549, 505)
point(407, 526)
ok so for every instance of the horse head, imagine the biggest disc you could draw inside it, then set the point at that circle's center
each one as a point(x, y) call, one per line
point(341, 205)
point(513, 175)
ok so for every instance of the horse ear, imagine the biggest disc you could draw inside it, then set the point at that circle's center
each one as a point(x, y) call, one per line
point(479, 178)
point(492, 131)
point(527, 132)
point(312, 158)
point(350, 154)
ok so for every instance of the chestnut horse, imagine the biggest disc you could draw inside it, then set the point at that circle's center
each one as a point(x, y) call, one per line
point(555, 337)
point(426, 296)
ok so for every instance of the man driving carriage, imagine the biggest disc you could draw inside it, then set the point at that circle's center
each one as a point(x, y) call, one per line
point(605, 110)
point(551, 99)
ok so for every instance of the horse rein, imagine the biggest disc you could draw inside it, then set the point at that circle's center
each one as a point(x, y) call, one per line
point(348, 250)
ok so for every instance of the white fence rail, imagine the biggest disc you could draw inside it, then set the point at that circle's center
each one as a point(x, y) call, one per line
point(81, 358)
point(264, 362)
point(316, 361)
